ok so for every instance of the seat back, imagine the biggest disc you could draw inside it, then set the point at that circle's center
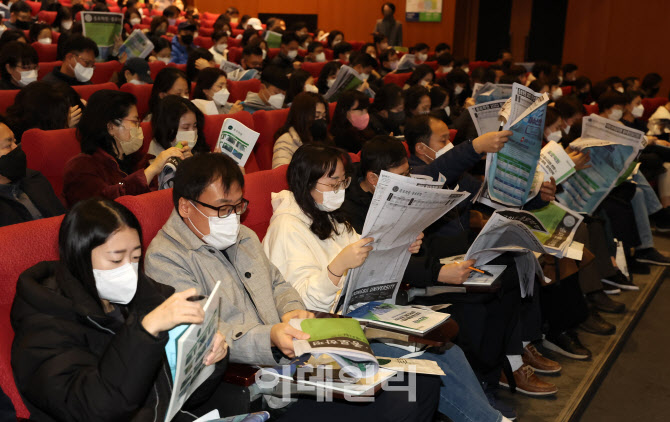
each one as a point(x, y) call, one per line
point(267, 123)
point(85, 91)
point(46, 16)
point(47, 67)
point(234, 54)
point(314, 69)
point(591, 109)
point(148, 133)
point(650, 106)
point(104, 71)
point(397, 78)
point(142, 93)
point(7, 99)
point(567, 90)
point(152, 211)
point(35, 7)
point(45, 52)
point(204, 42)
point(47, 151)
point(257, 189)
point(239, 89)
point(213, 124)
point(155, 67)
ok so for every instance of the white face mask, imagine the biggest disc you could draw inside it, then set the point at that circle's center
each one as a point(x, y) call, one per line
point(615, 115)
point(556, 94)
point(136, 82)
point(447, 69)
point(118, 285)
point(44, 41)
point(441, 151)
point(346, 57)
point(189, 137)
point(331, 200)
point(27, 77)
point(221, 96)
point(365, 76)
point(66, 25)
point(637, 112)
point(555, 136)
point(265, 53)
point(222, 231)
point(165, 60)
point(422, 57)
point(172, 21)
point(620, 89)
point(424, 83)
point(466, 69)
point(311, 88)
point(277, 100)
point(221, 48)
point(134, 143)
point(135, 21)
point(330, 82)
point(567, 129)
point(83, 74)
point(458, 89)
point(447, 110)
point(292, 54)
point(321, 57)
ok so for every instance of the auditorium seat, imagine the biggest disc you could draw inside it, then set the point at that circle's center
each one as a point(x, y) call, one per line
point(272, 52)
point(47, 16)
point(35, 7)
point(474, 65)
point(257, 190)
point(155, 67)
point(267, 123)
point(152, 211)
point(181, 67)
point(452, 134)
point(356, 45)
point(204, 42)
point(47, 151)
point(433, 64)
point(85, 91)
point(234, 54)
point(213, 124)
point(46, 68)
point(591, 109)
point(45, 52)
point(6, 99)
point(142, 93)
point(104, 71)
point(205, 32)
point(397, 78)
point(567, 90)
point(314, 69)
point(148, 133)
point(239, 89)
point(650, 106)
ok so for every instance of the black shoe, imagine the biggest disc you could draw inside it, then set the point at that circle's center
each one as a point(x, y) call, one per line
point(619, 280)
point(507, 411)
point(651, 256)
point(637, 267)
point(568, 345)
point(661, 220)
point(603, 303)
point(595, 324)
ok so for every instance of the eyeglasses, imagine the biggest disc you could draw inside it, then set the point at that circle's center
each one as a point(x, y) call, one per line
point(343, 184)
point(225, 210)
point(135, 123)
point(87, 63)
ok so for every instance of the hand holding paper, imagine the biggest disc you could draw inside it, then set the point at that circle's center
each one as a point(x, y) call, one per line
point(219, 349)
point(297, 313)
point(491, 142)
point(282, 335)
point(548, 190)
point(174, 311)
point(416, 245)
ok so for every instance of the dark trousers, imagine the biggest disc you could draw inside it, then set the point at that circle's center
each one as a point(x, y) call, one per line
point(563, 305)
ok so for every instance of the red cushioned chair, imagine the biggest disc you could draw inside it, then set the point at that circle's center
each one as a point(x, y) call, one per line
point(152, 211)
point(567, 90)
point(23, 246)
point(237, 32)
point(146, 20)
point(209, 16)
point(205, 32)
point(181, 67)
point(85, 91)
point(257, 189)
point(114, 9)
point(234, 42)
point(204, 42)
point(452, 134)
point(35, 7)
point(355, 157)
point(45, 52)
point(155, 67)
point(142, 93)
point(47, 151)
point(272, 52)
point(46, 16)
point(213, 125)
point(7, 99)
point(267, 123)
point(314, 69)
point(148, 133)
point(356, 45)
point(329, 54)
point(104, 71)
point(591, 109)
point(331, 110)
point(46, 68)
point(234, 54)
point(397, 78)
point(239, 89)
point(433, 65)
point(650, 106)
point(475, 65)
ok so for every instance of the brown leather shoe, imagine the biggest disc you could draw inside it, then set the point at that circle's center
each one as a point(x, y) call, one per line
point(528, 383)
point(532, 357)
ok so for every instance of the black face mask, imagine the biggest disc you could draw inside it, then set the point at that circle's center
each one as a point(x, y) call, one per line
point(319, 130)
point(13, 165)
point(22, 25)
point(396, 118)
point(187, 39)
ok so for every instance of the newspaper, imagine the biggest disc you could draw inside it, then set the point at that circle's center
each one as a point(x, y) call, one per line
point(555, 162)
point(613, 148)
point(511, 171)
point(407, 63)
point(102, 27)
point(401, 208)
point(347, 78)
point(484, 93)
point(486, 116)
point(419, 366)
point(237, 140)
point(403, 318)
point(235, 72)
point(137, 45)
point(186, 350)
point(273, 39)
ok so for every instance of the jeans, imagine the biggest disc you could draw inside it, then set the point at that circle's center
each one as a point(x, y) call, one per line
point(645, 203)
point(461, 396)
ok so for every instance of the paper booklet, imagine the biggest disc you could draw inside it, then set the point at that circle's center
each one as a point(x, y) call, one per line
point(484, 93)
point(347, 78)
point(407, 63)
point(137, 45)
point(417, 366)
point(186, 350)
point(476, 278)
point(403, 318)
point(273, 39)
point(237, 141)
point(214, 416)
point(486, 116)
point(555, 162)
point(236, 73)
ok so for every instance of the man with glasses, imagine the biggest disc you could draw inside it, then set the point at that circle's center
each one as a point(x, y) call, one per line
point(79, 55)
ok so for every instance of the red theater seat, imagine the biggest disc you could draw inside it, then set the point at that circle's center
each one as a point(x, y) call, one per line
point(650, 106)
point(239, 89)
point(7, 99)
point(181, 67)
point(47, 151)
point(257, 189)
point(235, 54)
point(45, 52)
point(104, 71)
point(267, 123)
point(567, 90)
point(433, 65)
point(272, 52)
point(46, 16)
point(142, 93)
point(314, 69)
point(85, 91)
point(152, 211)
point(591, 109)
point(204, 42)
point(35, 7)
point(46, 68)
point(213, 125)
point(155, 67)
point(148, 133)
point(397, 78)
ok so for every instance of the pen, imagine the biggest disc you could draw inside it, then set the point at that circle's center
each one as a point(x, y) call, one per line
point(196, 298)
point(480, 271)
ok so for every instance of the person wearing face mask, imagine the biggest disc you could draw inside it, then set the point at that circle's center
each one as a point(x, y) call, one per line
point(41, 33)
point(219, 47)
point(172, 13)
point(68, 314)
point(389, 62)
point(108, 166)
point(135, 71)
point(288, 59)
point(387, 112)
point(158, 27)
point(132, 17)
point(417, 101)
point(25, 194)
point(388, 26)
point(650, 85)
point(422, 75)
point(63, 21)
point(299, 81)
point(446, 63)
point(365, 65)
point(342, 51)
point(307, 123)
point(327, 76)
point(334, 38)
point(18, 65)
point(79, 55)
point(182, 44)
point(162, 51)
point(420, 52)
point(169, 81)
point(19, 16)
point(274, 84)
point(611, 105)
point(380, 43)
point(350, 121)
point(315, 53)
point(211, 93)
point(439, 100)
point(251, 63)
point(198, 59)
point(633, 111)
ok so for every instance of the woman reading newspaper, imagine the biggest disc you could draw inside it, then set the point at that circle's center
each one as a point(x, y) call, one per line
point(313, 244)
point(91, 329)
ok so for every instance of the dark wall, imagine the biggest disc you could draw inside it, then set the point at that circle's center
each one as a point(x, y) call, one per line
point(493, 28)
point(547, 29)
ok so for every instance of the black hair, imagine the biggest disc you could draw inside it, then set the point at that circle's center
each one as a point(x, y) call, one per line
point(420, 46)
point(437, 96)
point(650, 81)
point(569, 68)
point(442, 46)
point(629, 82)
point(246, 35)
point(100, 7)
point(502, 53)
point(413, 97)
point(419, 73)
point(610, 99)
point(12, 35)
point(217, 35)
point(543, 67)
point(62, 13)
point(298, 26)
point(552, 115)
point(310, 163)
point(362, 59)
point(104, 107)
point(206, 78)
point(581, 82)
point(171, 11)
point(341, 48)
point(382, 153)
point(79, 43)
point(301, 115)
point(378, 37)
point(164, 81)
point(165, 122)
point(289, 37)
point(313, 46)
point(12, 54)
point(458, 76)
point(20, 7)
point(613, 80)
point(390, 6)
point(385, 56)
point(155, 23)
point(160, 43)
point(195, 173)
point(35, 30)
point(631, 95)
point(252, 49)
point(85, 227)
point(296, 84)
point(193, 56)
point(445, 59)
point(329, 69)
point(388, 96)
point(483, 75)
point(598, 89)
point(274, 75)
point(344, 103)
point(417, 129)
point(332, 35)
point(507, 79)
point(568, 106)
point(537, 85)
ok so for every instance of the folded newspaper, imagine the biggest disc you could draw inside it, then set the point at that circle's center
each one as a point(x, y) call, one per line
point(555, 162)
point(486, 116)
point(484, 93)
point(407, 63)
point(237, 141)
point(235, 72)
point(613, 148)
point(402, 207)
point(137, 45)
point(404, 318)
point(347, 78)
point(186, 350)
